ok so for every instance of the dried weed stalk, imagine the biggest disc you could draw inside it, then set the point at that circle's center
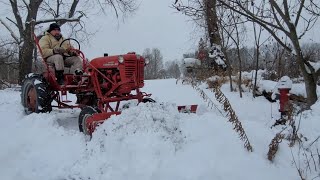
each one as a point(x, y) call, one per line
point(274, 145)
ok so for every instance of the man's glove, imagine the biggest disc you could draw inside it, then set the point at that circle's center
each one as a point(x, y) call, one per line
point(73, 53)
point(59, 50)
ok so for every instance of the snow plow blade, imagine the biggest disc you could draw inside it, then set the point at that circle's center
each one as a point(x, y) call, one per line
point(188, 109)
point(95, 120)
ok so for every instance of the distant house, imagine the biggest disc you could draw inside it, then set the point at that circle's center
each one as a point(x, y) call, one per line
point(188, 64)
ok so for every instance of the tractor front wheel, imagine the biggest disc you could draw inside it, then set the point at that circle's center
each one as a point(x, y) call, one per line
point(35, 96)
point(148, 100)
point(85, 113)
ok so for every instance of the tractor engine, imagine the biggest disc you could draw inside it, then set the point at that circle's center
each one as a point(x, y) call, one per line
point(118, 75)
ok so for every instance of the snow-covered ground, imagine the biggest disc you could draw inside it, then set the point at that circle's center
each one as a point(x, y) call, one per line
point(149, 141)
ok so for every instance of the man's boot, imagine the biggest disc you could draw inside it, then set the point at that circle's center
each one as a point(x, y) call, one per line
point(78, 73)
point(59, 76)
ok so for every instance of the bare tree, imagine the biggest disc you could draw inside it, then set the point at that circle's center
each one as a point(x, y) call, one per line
point(173, 69)
point(237, 28)
point(59, 11)
point(148, 70)
point(257, 31)
point(257, 37)
point(283, 19)
point(152, 71)
point(226, 42)
point(8, 62)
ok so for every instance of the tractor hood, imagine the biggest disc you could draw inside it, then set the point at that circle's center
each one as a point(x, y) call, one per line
point(113, 61)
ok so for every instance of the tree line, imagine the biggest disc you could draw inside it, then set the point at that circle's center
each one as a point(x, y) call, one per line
point(225, 22)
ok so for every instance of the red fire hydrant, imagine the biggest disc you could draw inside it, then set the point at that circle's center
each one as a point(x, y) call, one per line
point(284, 99)
point(284, 87)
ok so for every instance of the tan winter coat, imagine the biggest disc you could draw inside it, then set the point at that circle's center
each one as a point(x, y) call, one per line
point(48, 42)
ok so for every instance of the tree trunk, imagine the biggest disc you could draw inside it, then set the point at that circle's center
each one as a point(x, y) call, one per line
point(26, 54)
point(309, 81)
point(256, 73)
point(240, 71)
point(25, 57)
point(311, 89)
point(26, 34)
point(229, 68)
point(212, 22)
point(309, 78)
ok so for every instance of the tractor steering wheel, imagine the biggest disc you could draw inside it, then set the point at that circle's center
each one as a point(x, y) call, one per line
point(73, 49)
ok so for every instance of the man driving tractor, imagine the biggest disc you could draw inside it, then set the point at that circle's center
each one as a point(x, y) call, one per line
point(51, 50)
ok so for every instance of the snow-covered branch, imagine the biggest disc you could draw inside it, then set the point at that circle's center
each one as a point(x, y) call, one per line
point(75, 19)
point(309, 67)
point(14, 36)
point(313, 68)
point(11, 63)
point(316, 67)
point(217, 55)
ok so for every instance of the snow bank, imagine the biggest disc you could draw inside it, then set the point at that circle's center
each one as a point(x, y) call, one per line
point(251, 74)
point(154, 141)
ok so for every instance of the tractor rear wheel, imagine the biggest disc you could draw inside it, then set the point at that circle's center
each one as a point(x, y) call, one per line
point(35, 95)
point(85, 113)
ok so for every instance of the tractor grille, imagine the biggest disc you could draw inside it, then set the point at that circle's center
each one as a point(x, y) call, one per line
point(130, 68)
point(135, 68)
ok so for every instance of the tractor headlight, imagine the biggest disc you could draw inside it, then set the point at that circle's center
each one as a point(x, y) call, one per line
point(120, 59)
point(146, 61)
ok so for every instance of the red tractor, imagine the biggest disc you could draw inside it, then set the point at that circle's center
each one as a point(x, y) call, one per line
point(106, 82)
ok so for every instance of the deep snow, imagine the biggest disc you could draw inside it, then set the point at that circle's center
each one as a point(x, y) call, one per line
point(149, 141)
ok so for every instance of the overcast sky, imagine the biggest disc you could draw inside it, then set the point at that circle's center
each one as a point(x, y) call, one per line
point(154, 24)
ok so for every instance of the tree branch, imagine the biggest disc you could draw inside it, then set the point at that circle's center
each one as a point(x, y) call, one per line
point(278, 21)
point(17, 16)
point(266, 25)
point(58, 9)
point(286, 9)
point(283, 15)
point(299, 13)
point(115, 9)
point(13, 35)
point(73, 8)
point(71, 13)
point(13, 22)
point(26, 4)
point(308, 27)
point(249, 14)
